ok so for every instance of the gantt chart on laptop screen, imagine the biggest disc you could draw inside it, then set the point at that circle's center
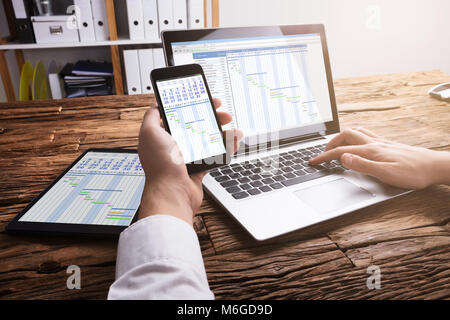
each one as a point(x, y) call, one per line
point(266, 83)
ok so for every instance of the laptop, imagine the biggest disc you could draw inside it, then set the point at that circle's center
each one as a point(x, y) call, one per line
point(276, 82)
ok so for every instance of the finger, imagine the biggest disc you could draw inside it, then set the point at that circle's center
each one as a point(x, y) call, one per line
point(217, 103)
point(347, 137)
point(367, 132)
point(224, 117)
point(152, 117)
point(362, 165)
point(232, 138)
point(336, 153)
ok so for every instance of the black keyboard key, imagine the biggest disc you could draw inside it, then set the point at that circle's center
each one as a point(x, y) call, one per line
point(248, 166)
point(287, 169)
point(268, 181)
point(245, 186)
point(279, 178)
point(238, 169)
point(308, 177)
point(289, 175)
point(276, 186)
point(222, 178)
point(256, 170)
point(233, 189)
point(300, 172)
point(287, 163)
point(247, 173)
point(226, 171)
point(256, 177)
point(215, 173)
point(254, 192)
point(230, 183)
point(288, 157)
point(235, 175)
point(310, 170)
point(244, 180)
point(256, 184)
point(297, 167)
point(265, 189)
point(240, 195)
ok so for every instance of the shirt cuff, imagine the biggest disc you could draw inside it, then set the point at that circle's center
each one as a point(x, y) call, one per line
point(158, 237)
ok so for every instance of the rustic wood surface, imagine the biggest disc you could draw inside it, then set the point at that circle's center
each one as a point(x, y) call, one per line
point(407, 237)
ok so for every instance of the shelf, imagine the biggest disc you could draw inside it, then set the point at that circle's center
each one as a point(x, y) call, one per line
point(120, 42)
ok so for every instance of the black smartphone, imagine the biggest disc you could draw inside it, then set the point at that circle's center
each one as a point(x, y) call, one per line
point(188, 113)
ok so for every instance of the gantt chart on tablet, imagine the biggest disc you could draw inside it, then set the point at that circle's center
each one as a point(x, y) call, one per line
point(102, 188)
point(266, 83)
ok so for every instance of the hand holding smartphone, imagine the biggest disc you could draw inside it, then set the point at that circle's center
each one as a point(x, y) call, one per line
point(188, 113)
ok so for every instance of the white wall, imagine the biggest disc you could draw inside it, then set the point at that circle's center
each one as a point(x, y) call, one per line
point(365, 37)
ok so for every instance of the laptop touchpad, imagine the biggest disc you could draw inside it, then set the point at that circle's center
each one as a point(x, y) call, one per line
point(333, 195)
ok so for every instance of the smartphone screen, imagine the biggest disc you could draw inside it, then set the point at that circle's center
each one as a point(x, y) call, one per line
point(190, 117)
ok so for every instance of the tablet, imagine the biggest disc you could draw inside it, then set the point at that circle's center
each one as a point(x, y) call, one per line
point(99, 194)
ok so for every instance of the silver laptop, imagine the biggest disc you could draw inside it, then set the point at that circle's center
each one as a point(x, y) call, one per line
point(277, 84)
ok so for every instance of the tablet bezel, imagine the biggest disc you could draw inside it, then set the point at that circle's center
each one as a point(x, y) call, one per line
point(56, 228)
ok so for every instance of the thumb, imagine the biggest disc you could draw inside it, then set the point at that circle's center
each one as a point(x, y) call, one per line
point(362, 165)
point(152, 117)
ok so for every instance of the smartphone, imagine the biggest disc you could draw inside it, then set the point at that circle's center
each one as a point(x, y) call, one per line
point(188, 113)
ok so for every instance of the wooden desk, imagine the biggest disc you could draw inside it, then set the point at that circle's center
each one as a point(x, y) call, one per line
point(408, 237)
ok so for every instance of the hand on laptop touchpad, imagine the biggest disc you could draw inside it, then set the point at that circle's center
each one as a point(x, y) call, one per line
point(333, 195)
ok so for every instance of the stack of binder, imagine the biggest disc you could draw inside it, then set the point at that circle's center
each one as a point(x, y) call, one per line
point(147, 18)
point(138, 65)
point(87, 78)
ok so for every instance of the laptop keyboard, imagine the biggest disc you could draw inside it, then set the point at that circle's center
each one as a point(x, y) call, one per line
point(250, 178)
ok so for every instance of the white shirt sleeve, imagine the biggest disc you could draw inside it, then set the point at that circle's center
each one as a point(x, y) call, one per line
point(159, 257)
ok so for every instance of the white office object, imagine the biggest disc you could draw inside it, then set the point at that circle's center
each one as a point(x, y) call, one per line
point(165, 15)
point(146, 66)
point(132, 73)
point(56, 86)
point(50, 29)
point(151, 27)
point(158, 58)
point(195, 11)
point(135, 19)
point(441, 91)
point(83, 12)
point(100, 20)
point(179, 14)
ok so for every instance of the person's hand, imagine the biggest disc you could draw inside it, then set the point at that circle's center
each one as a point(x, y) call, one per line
point(168, 187)
point(397, 164)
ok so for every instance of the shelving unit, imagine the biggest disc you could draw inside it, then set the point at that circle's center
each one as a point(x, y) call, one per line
point(114, 43)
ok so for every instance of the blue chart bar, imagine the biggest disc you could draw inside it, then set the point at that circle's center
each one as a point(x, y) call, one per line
point(102, 188)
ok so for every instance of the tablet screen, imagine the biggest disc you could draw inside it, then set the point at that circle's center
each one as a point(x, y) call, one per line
point(102, 188)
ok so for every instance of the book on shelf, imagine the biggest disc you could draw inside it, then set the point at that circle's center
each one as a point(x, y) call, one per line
point(87, 78)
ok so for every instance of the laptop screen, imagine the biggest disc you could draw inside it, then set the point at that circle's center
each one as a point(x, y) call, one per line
point(267, 83)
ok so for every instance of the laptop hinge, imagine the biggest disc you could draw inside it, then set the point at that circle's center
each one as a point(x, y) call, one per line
point(282, 143)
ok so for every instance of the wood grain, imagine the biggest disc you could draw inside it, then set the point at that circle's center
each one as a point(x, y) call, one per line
point(407, 237)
